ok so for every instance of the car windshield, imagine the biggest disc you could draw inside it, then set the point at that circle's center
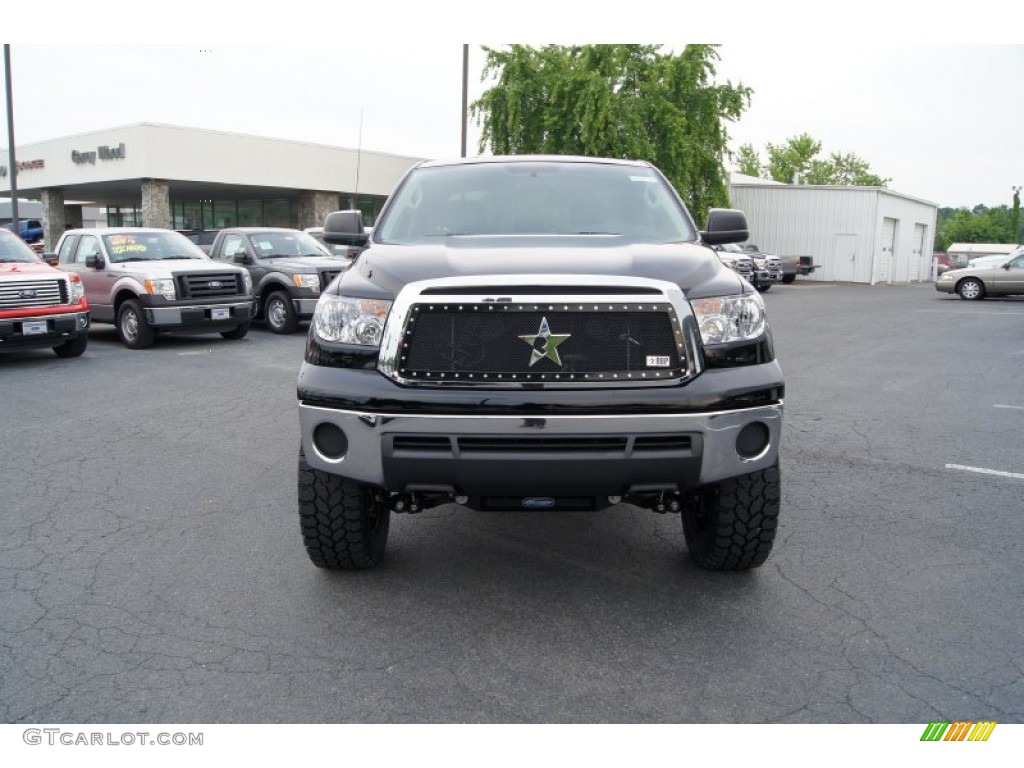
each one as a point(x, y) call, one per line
point(534, 198)
point(278, 244)
point(150, 246)
point(14, 250)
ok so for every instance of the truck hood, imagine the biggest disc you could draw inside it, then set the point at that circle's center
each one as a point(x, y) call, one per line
point(170, 266)
point(383, 270)
point(28, 269)
point(308, 263)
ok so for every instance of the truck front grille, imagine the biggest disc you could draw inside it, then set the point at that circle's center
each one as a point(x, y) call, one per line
point(326, 276)
point(612, 342)
point(33, 293)
point(209, 285)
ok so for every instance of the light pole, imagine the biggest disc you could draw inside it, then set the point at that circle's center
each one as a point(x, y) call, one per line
point(13, 170)
point(465, 93)
point(1016, 213)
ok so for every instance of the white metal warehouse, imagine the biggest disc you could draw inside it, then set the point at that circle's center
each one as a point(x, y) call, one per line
point(855, 234)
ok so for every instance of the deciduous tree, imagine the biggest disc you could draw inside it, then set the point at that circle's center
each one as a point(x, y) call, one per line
point(623, 101)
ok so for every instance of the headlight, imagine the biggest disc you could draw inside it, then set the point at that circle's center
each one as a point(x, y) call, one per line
point(350, 321)
point(77, 289)
point(307, 281)
point(164, 287)
point(730, 318)
point(247, 281)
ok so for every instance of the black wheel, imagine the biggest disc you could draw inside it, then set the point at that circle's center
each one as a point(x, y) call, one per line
point(132, 327)
point(787, 279)
point(971, 289)
point(279, 313)
point(237, 332)
point(344, 524)
point(764, 287)
point(731, 526)
point(72, 347)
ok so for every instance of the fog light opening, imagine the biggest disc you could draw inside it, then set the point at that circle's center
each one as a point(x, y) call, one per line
point(753, 439)
point(330, 441)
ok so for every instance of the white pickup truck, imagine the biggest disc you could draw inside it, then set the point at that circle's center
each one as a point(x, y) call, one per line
point(150, 280)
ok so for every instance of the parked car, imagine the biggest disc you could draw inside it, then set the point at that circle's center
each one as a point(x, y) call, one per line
point(201, 237)
point(30, 230)
point(503, 346)
point(739, 262)
point(767, 269)
point(39, 306)
point(1004, 277)
point(289, 269)
point(348, 250)
point(147, 281)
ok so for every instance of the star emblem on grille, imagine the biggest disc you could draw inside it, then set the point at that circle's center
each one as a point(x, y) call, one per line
point(544, 343)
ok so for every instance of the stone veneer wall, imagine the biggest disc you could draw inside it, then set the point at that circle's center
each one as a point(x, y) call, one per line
point(53, 216)
point(156, 203)
point(314, 207)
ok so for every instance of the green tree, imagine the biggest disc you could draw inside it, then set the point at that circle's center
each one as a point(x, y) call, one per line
point(623, 101)
point(791, 161)
point(797, 161)
point(748, 162)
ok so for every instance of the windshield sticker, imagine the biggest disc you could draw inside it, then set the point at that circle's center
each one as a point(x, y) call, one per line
point(266, 246)
point(120, 244)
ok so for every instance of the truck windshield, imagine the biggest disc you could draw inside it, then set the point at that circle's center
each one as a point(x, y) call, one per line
point(150, 246)
point(14, 250)
point(534, 198)
point(278, 244)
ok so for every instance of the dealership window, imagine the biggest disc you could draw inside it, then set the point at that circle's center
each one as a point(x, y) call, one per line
point(225, 213)
point(279, 213)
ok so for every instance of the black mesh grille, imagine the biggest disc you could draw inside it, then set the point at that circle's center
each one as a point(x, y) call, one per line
point(209, 285)
point(594, 342)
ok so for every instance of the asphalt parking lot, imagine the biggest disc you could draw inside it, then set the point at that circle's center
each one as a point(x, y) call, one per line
point(152, 571)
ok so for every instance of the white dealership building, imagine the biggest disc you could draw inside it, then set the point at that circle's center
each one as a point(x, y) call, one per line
point(191, 178)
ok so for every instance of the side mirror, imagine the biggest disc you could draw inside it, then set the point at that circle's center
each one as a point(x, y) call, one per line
point(1006, 266)
point(51, 259)
point(242, 258)
point(94, 262)
point(345, 228)
point(725, 225)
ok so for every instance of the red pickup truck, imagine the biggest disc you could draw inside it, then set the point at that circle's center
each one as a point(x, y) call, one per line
point(39, 306)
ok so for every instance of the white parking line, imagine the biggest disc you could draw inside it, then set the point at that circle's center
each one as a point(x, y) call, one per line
point(983, 471)
point(973, 312)
point(1014, 407)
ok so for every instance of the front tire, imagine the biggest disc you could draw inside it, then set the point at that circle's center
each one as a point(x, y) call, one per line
point(971, 289)
point(344, 524)
point(731, 525)
point(279, 313)
point(763, 287)
point(133, 329)
point(72, 347)
point(238, 332)
point(788, 279)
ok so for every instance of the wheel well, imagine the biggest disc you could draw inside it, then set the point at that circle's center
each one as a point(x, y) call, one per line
point(121, 298)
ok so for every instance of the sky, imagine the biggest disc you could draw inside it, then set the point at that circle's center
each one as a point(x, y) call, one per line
point(944, 120)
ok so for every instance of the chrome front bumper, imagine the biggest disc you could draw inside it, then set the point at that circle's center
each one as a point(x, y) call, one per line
point(367, 433)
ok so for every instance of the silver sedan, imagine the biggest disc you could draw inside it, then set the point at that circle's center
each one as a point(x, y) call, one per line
point(971, 283)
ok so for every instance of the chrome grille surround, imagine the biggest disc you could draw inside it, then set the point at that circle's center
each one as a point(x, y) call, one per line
point(538, 293)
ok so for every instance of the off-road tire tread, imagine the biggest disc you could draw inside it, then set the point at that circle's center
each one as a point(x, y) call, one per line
point(331, 517)
point(744, 515)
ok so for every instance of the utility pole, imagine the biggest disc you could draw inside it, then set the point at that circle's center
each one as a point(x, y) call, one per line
point(1016, 214)
point(465, 94)
point(13, 170)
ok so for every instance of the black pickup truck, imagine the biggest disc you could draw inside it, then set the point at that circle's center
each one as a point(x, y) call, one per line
point(289, 269)
point(534, 334)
